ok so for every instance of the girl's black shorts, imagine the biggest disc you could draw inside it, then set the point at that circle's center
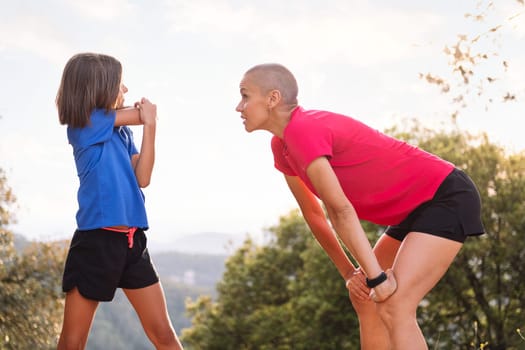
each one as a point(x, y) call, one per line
point(453, 213)
point(100, 261)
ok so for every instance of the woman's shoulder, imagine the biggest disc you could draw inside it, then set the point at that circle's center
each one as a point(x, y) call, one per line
point(311, 121)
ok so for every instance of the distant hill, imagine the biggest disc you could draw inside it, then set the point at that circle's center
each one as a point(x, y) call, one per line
point(183, 275)
point(201, 270)
point(190, 267)
point(20, 242)
point(201, 243)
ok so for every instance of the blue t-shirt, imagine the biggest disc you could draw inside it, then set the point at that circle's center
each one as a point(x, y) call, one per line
point(109, 194)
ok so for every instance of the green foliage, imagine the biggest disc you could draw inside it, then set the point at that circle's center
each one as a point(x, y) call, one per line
point(31, 301)
point(287, 295)
point(284, 295)
point(479, 303)
point(481, 299)
point(30, 295)
point(7, 201)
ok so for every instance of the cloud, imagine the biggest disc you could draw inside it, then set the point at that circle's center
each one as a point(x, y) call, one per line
point(35, 35)
point(103, 9)
point(355, 33)
point(202, 16)
point(58, 29)
point(512, 17)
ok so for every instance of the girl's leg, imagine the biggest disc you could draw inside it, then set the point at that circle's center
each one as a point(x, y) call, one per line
point(420, 263)
point(150, 305)
point(78, 316)
point(373, 333)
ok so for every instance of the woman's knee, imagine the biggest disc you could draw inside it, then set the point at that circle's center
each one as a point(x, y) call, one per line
point(393, 312)
point(363, 308)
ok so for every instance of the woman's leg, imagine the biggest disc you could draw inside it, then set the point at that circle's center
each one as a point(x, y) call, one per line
point(150, 305)
point(373, 333)
point(420, 263)
point(78, 317)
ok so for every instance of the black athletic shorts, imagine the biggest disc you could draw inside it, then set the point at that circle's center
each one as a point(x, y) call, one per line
point(100, 261)
point(453, 213)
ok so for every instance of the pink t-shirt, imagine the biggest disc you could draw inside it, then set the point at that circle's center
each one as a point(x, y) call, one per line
point(385, 179)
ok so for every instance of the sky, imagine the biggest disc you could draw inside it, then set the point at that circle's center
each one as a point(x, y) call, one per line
point(355, 57)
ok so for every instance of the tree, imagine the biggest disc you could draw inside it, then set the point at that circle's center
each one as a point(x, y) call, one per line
point(481, 299)
point(491, 300)
point(30, 296)
point(478, 70)
point(284, 295)
point(287, 295)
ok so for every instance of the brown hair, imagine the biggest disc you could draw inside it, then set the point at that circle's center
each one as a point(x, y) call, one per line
point(89, 81)
point(274, 76)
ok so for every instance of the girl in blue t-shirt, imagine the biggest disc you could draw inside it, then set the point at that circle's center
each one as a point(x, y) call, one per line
point(108, 249)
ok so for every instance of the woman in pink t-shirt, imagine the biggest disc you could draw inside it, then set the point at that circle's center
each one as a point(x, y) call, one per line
point(361, 174)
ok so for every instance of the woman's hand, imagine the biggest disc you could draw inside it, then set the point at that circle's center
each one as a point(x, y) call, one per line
point(356, 285)
point(383, 291)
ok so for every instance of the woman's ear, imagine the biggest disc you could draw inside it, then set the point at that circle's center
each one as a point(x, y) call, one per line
point(274, 98)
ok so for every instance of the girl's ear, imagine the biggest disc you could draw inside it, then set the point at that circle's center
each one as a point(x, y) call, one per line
point(274, 97)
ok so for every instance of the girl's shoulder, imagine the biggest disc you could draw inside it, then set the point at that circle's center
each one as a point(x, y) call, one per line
point(99, 129)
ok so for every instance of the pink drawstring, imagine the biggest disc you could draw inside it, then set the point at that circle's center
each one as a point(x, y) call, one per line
point(129, 233)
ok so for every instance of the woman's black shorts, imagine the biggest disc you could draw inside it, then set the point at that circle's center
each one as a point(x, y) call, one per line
point(100, 261)
point(453, 213)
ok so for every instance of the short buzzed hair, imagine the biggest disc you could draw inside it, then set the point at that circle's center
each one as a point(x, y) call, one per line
point(274, 76)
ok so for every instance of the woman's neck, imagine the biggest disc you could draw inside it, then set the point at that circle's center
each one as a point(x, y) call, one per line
point(281, 117)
